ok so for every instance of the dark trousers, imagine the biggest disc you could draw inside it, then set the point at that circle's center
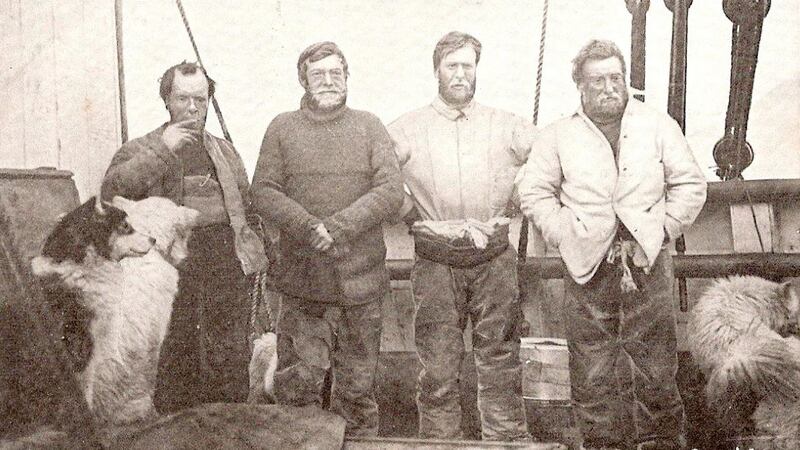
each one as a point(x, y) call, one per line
point(623, 357)
point(205, 355)
point(314, 337)
point(445, 299)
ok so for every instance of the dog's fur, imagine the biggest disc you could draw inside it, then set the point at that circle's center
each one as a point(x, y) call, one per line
point(129, 301)
point(742, 334)
point(262, 368)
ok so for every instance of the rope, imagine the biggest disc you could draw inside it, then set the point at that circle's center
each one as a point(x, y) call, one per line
point(258, 286)
point(540, 66)
point(752, 213)
point(214, 103)
point(522, 254)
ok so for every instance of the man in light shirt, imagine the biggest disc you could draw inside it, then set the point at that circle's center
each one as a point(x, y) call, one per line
point(459, 161)
point(610, 186)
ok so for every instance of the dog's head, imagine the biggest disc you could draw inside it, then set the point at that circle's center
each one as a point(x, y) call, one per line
point(158, 217)
point(95, 229)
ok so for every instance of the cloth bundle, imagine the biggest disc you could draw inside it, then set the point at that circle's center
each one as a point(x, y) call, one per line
point(621, 251)
point(460, 243)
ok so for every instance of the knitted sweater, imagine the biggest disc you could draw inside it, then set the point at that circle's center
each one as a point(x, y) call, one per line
point(338, 169)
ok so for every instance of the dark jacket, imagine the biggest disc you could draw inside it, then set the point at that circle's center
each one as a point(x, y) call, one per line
point(145, 167)
point(340, 170)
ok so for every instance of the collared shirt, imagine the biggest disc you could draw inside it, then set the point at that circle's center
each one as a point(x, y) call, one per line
point(575, 193)
point(460, 163)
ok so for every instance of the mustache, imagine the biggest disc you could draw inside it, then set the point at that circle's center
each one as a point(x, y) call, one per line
point(329, 90)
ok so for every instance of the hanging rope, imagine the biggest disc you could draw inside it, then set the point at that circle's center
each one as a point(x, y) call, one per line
point(522, 254)
point(540, 66)
point(214, 103)
point(258, 286)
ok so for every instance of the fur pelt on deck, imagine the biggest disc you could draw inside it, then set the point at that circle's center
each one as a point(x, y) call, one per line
point(743, 334)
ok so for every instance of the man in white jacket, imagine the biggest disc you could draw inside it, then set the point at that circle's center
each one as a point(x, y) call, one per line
point(459, 159)
point(611, 186)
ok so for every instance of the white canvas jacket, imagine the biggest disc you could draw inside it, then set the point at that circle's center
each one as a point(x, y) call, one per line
point(572, 190)
point(460, 164)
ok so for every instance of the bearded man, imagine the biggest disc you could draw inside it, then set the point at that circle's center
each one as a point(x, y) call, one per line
point(611, 186)
point(327, 177)
point(459, 159)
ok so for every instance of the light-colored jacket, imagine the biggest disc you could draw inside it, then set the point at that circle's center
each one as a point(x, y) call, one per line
point(572, 190)
point(460, 164)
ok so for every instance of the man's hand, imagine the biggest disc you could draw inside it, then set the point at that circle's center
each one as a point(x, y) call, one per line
point(322, 241)
point(178, 134)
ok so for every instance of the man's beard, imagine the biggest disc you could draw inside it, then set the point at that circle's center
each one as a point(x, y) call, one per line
point(453, 97)
point(605, 111)
point(326, 102)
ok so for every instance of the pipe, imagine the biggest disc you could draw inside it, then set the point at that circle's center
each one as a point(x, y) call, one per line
point(761, 191)
point(768, 265)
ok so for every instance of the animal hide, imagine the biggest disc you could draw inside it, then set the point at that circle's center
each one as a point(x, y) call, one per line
point(741, 333)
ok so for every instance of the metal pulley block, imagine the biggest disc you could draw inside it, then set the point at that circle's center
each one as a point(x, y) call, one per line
point(732, 157)
point(744, 11)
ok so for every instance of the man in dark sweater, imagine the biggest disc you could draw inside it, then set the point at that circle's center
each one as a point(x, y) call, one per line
point(327, 177)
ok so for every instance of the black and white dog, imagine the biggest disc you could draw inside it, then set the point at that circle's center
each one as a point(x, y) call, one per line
point(113, 267)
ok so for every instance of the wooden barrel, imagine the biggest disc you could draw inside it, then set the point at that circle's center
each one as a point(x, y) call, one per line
point(33, 199)
point(545, 369)
point(546, 388)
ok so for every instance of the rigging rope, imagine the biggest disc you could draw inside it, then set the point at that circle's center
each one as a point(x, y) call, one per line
point(214, 103)
point(258, 281)
point(522, 248)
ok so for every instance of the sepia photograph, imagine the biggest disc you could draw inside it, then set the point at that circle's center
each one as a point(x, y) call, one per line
point(304, 224)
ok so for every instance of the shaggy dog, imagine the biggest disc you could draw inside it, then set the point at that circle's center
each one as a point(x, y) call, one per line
point(129, 300)
point(742, 334)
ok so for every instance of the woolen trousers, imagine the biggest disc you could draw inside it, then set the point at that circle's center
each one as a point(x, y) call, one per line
point(445, 298)
point(623, 357)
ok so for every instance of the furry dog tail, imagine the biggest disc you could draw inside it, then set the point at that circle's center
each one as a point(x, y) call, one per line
point(757, 366)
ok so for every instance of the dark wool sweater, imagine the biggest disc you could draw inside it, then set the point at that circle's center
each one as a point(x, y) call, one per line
point(338, 169)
